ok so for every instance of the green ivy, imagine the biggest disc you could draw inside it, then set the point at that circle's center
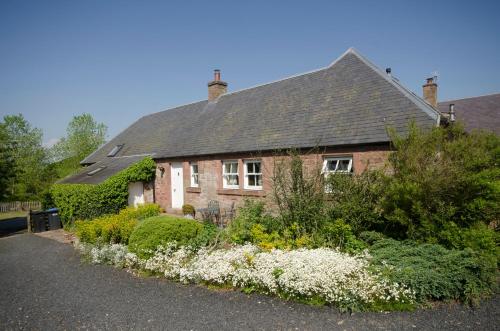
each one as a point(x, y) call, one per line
point(84, 201)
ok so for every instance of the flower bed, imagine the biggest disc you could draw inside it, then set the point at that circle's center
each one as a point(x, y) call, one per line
point(320, 275)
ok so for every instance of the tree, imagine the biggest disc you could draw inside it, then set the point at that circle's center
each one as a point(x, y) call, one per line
point(83, 136)
point(28, 158)
point(6, 163)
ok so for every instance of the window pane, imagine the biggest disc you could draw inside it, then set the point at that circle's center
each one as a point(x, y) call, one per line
point(331, 165)
point(227, 168)
point(259, 180)
point(257, 167)
point(343, 165)
point(195, 168)
point(251, 180)
point(250, 167)
point(232, 179)
point(195, 179)
point(234, 168)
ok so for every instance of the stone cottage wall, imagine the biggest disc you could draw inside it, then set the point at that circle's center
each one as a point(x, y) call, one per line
point(210, 174)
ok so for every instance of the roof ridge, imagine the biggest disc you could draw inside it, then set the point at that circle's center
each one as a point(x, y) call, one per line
point(477, 96)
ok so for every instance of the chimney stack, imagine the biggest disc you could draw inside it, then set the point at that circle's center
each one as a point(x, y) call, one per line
point(216, 88)
point(430, 91)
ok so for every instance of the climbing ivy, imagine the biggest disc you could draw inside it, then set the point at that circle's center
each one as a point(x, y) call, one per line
point(85, 201)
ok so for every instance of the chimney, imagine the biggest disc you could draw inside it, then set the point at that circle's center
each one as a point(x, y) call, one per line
point(216, 88)
point(430, 91)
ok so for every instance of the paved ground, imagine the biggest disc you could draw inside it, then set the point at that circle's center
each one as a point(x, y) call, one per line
point(45, 286)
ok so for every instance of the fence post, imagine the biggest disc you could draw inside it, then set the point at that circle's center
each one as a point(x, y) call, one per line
point(29, 221)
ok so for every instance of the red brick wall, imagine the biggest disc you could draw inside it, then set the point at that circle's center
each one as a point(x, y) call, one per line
point(210, 174)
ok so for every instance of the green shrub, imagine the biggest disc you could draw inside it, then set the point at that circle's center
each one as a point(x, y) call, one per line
point(114, 228)
point(371, 237)
point(355, 199)
point(188, 210)
point(83, 201)
point(160, 230)
point(252, 212)
point(435, 272)
point(206, 236)
point(440, 176)
point(299, 192)
point(338, 234)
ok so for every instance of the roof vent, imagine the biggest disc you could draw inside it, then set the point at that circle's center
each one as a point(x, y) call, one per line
point(388, 71)
point(115, 150)
point(93, 172)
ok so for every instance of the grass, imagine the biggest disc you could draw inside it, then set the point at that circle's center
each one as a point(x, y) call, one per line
point(12, 214)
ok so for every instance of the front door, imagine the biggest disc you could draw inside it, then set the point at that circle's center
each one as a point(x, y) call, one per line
point(177, 185)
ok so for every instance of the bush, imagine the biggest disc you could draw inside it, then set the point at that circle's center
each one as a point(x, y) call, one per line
point(114, 228)
point(252, 213)
point(441, 176)
point(339, 235)
point(188, 210)
point(299, 192)
point(371, 237)
point(84, 202)
point(206, 236)
point(355, 199)
point(160, 230)
point(435, 272)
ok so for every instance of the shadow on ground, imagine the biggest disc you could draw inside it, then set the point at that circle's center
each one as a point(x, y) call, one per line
point(13, 226)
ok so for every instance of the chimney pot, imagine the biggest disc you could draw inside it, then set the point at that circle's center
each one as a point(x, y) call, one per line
point(216, 75)
point(216, 88)
point(388, 71)
point(452, 113)
point(430, 92)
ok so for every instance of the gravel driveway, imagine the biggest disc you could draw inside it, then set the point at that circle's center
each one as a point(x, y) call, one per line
point(45, 286)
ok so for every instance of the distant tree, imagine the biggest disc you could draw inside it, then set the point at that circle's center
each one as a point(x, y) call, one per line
point(28, 158)
point(83, 136)
point(7, 169)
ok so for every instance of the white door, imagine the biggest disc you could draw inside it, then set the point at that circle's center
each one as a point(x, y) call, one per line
point(177, 185)
point(135, 194)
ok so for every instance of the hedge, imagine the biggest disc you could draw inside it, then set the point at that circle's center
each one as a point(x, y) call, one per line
point(84, 201)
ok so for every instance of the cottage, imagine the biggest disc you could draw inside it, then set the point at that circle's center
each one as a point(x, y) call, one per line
point(222, 148)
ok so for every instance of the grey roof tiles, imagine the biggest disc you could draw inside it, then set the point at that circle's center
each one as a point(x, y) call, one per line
point(482, 112)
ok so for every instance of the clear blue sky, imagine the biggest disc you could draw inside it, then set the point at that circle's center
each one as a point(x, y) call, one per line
point(119, 60)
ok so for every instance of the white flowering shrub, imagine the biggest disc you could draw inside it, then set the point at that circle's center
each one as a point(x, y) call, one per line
point(115, 254)
point(324, 273)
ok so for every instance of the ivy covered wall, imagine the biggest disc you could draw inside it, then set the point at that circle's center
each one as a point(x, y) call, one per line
point(84, 201)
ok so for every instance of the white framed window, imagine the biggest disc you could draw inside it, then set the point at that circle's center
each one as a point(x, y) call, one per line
point(194, 174)
point(333, 165)
point(253, 175)
point(230, 176)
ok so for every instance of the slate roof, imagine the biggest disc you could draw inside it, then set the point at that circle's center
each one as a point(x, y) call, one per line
point(111, 166)
point(482, 112)
point(349, 102)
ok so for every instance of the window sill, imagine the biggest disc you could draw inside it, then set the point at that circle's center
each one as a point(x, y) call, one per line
point(240, 192)
point(193, 189)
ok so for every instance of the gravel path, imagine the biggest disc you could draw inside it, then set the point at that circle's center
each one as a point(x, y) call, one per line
point(45, 286)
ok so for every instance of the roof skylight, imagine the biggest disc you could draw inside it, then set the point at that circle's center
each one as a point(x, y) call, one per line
point(115, 150)
point(93, 172)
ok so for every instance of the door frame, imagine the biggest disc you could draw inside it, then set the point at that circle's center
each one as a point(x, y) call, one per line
point(177, 184)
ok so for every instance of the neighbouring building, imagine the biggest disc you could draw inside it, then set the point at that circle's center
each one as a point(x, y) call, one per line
point(222, 148)
point(481, 112)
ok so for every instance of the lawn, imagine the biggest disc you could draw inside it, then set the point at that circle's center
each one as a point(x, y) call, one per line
point(12, 214)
